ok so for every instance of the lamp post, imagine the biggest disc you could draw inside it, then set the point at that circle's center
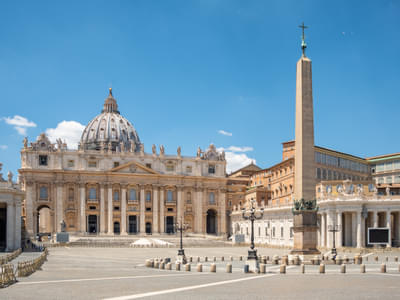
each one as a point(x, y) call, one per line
point(334, 228)
point(251, 215)
point(181, 227)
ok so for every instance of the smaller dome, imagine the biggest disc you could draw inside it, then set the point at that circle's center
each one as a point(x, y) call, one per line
point(110, 130)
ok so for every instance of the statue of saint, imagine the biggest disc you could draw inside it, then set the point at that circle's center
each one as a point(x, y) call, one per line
point(179, 151)
point(141, 149)
point(198, 152)
point(10, 176)
point(63, 225)
point(162, 150)
point(153, 148)
point(25, 142)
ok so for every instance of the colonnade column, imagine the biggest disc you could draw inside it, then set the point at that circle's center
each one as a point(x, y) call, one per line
point(323, 230)
point(330, 223)
point(10, 226)
point(29, 208)
point(375, 219)
point(59, 205)
point(354, 229)
point(388, 225)
point(339, 236)
point(397, 224)
point(142, 211)
point(123, 210)
point(102, 210)
point(17, 240)
point(162, 219)
point(179, 205)
point(359, 229)
point(155, 210)
point(82, 215)
point(109, 210)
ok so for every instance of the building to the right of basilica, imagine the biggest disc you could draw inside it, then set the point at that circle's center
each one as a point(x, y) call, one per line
point(353, 194)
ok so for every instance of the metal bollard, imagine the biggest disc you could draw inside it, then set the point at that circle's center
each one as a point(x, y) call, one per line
point(302, 268)
point(156, 264)
point(187, 267)
point(190, 259)
point(198, 258)
point(285, 260)
point(362, 268)
point(168, 266)
point(199, 268)
point(263, 268)
point(322, 269)
point(383, 268)
point(376, 258)
point(264, 259)
point(275, 259)
point(343, 268)
point(214, 258)
point(231, 258)
point(213, 268)
point(222, 258)
point(228, 268)
point(396, 259)
point(345, 259)
point(178, 266)
point(206, 259)
point(282, 269)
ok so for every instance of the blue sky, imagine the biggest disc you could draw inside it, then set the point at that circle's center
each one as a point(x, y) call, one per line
point(183, 70)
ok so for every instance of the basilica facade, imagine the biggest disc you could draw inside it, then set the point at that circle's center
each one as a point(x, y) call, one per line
point(110, 185)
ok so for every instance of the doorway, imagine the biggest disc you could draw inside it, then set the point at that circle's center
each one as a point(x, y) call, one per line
point(169, 225)
point(117, 229)
point(132, 224)
point(211, 221)
point(148, 228)
point(92, 224)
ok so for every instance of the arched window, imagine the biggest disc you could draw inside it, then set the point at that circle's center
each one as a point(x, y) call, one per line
point(169, 196)
point(116, 195)
point(43, 193)
point(92, 193)
point(132, 194)
point(211, 198)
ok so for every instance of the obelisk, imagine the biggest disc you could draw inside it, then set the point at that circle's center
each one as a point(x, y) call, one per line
point(304, 209)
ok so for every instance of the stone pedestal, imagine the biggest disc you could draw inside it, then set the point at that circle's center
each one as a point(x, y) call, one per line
point(305, 233)
point(254, 266)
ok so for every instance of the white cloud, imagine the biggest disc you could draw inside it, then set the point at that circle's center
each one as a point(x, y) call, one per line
point(236, 160)
point(69, 131)
point(20, 123)
point(223, 132)
point(3, 147)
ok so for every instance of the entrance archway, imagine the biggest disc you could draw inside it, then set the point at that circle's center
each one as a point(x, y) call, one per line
point(170, 224)
point(3, 227)
point(211, 221)
point(44, 221)
point(92, 224)
point(116, 228)
point(132, 228)
point(148, 228)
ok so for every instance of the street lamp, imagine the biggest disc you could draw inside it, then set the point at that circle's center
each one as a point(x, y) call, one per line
point(334, 228)
point(181, 227)
point(251, 215)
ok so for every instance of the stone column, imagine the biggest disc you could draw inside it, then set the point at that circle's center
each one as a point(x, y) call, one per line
point(162, 218)
point(222, 205)
point(17, 241)
point(29, 208)
point(123, 210)
point(359, 229)
point(397, 224)
point(388, 225)
point(109, 210)
point(199, 211)
point(180, 205)
point(82, 210)
point(142, 211)
point(10, 227)
point(354, 229)
point(102, 211)
point(339, 236)
point(59, 205)
point(375, 219)
point(156, 217)
point(330, 221)
point(323, 230)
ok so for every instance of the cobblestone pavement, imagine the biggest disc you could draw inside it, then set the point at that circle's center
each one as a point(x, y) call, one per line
point(103, 273)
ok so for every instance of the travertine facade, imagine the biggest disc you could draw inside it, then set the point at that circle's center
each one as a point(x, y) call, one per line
point(11, 197)
point(111, 186)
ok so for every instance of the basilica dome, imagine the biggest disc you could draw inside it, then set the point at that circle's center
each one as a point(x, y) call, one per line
point(110, 131)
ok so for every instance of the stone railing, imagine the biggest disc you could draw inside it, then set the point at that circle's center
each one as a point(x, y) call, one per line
point(9, 257)
point(26, 268)
point(7, 275)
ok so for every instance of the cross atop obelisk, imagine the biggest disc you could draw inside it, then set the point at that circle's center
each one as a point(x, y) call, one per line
point(303, 39)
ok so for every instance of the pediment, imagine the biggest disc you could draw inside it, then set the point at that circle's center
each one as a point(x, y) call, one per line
point(134, 168)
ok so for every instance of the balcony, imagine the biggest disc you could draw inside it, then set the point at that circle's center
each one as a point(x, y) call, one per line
point(173, 202)
point(92, 200)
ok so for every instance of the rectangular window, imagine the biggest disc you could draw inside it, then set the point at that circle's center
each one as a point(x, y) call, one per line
point(132, 194)
point(380, 167)
point(71, 163)
point(148, 196)
point(211, 169)
point(148, 208)
point(396, 179)
point(188, 169)
point(170, 168)
point(396, 165)
point(92, 194)
point(170, 209)
point(148, 166)
point(43, 193)
point(92, 164)
point(116, 208)
point(380, 180)
point(42, 160)
point(116, 195)
point(389, 179)
point(169, 196)
point(71, 194)
point(389, 166)
point(211, 198)
point(189, 197)
point(116, 164)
